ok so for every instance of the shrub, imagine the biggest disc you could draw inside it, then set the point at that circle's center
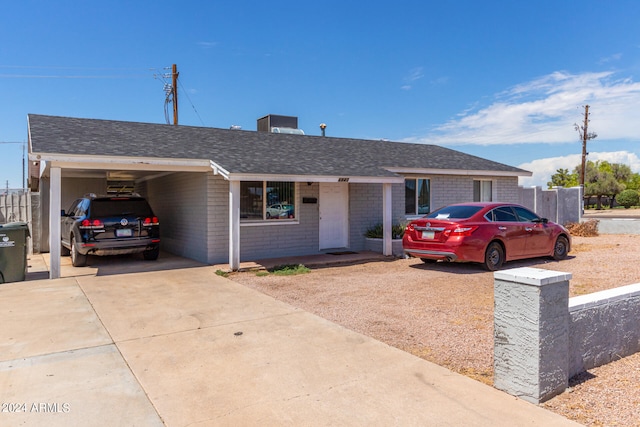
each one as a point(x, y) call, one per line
point(628, 198)
point(289, 269)
point(375, 232)
point(587, 228)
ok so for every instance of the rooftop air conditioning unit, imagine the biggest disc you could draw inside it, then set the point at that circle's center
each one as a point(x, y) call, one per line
point(279, 124)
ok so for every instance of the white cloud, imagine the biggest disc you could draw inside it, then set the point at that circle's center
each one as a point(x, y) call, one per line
point(542, 169)
point(612, 58)
point(208, 45)
point(544, 111)
point(414, 75)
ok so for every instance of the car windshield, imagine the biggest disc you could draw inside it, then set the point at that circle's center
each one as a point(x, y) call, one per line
point(459, 212)
point(108, 207)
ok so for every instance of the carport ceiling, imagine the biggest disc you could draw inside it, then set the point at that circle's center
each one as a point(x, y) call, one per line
point(113, 175)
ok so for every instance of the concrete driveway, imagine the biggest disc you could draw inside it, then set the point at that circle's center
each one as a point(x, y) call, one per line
point(178, 345)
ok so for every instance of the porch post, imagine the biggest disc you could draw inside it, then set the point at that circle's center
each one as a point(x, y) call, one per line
point(387, 248)
point(234, 225)
point(54, 222)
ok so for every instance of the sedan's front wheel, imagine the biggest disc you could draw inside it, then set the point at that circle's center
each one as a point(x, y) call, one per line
point(493, 257)
point(561, 248)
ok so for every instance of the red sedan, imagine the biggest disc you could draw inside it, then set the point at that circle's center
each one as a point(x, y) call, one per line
point(487, 233)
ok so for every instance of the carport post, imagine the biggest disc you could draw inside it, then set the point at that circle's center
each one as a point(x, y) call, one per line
point(54, 222)
point(387, 213)
point(234, 225)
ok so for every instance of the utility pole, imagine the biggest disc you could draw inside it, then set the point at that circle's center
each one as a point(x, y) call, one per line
point(174, 91)
point(585, 136)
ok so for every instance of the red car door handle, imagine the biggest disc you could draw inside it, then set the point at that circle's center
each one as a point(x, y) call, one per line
point(501, 228)
point(528, 229)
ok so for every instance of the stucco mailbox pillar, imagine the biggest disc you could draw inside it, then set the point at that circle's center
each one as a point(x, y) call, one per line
point(531, 332)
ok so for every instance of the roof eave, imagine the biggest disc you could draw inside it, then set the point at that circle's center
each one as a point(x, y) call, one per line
point(316, 178)
point(70, 161)
point(464, 172)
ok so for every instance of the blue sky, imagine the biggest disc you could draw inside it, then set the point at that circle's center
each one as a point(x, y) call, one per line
point(504, 80)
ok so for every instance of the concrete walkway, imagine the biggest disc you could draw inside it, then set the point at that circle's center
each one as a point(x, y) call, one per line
point(110, 345)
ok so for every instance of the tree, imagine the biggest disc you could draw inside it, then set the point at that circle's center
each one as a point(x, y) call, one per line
point(600, 181)
point(562, 178)
point(633, 182)
point(628, 198)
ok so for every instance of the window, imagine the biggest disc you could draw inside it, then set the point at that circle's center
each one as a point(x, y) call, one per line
point(525, 215)
point(417, 196)
point(482, 191)
point(502, 214)
point(457, 212)
point(267, 200)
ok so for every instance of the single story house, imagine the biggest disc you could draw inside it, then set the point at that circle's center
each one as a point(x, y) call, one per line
point(225, 195)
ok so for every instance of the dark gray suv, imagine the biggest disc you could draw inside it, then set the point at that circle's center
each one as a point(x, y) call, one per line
point(109, 225)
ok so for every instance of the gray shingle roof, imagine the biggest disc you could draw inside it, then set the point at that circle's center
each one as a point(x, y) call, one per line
point(246, 152)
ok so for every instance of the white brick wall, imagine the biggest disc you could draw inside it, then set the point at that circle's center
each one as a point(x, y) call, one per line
point(180, 202)
point(203, 199)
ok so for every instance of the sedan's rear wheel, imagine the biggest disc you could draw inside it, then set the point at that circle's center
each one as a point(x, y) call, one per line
point(493, 257)
point(77, 259)
point(561, 248)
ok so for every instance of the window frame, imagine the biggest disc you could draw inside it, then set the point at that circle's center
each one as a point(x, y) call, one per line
point(481, 184)
point(416, 200)
point(264, 221)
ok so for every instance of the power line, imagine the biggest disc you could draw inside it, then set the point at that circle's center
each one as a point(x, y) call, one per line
point(56, 67)
point(70, 76)
point(192, 106)
point(31, 76)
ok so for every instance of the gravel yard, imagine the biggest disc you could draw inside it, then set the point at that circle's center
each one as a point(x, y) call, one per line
point(444, 313)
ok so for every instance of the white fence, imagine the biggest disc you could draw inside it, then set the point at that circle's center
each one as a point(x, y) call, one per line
point(559, 204)
point(15, 206)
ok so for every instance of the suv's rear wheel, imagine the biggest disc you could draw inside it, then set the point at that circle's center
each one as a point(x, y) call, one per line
point(77, 259)
point(152, 254)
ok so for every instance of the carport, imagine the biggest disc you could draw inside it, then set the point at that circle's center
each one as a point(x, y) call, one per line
point(48, 171)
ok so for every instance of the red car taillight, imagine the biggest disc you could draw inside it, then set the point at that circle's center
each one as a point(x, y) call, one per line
point(461, 231)
point(151, 221)
point(91, 223)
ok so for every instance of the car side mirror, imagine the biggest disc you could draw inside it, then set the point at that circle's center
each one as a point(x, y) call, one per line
point(544, 220)
point(63, 213)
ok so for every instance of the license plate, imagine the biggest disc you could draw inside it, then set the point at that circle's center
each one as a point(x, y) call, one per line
point(125, 232)
point(428, 235)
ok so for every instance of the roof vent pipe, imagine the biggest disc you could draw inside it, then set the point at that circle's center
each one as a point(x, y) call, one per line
point(323, 127)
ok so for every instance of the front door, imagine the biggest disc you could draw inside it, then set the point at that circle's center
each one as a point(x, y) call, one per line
point(334, 215)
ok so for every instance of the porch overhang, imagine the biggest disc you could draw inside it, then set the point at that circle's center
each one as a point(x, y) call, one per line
point(316, 178)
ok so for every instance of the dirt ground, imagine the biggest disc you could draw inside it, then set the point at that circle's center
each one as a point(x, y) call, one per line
point(444, 313)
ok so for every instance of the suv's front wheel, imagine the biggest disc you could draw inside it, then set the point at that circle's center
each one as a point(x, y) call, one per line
point(77, 259)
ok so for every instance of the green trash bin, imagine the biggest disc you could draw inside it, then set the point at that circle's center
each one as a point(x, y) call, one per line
point(13, 251)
